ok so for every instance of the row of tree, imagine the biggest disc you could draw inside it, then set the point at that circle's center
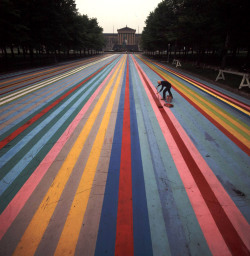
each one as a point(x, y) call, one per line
point(200, 26)
point(46, 27)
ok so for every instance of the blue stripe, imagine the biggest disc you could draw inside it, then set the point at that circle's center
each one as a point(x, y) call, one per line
point(12, 172)
point(170, 212)
point(67, 82)
point(86, 88)
point(142, 237)
point(37, 148)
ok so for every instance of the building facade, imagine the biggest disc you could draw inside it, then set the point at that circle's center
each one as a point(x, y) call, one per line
point(126, 36)
point(125, 40)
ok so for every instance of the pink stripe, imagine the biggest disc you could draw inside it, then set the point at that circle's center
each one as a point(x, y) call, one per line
point(212, 234)
point(237, 219)
point(235, 216)
point(236, 102)
point(17, 203)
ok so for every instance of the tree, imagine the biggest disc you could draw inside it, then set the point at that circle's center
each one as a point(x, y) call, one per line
point(199, 24)
point(11, 26)
point(50, 25)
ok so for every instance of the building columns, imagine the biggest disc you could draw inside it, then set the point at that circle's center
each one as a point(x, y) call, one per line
point(130, 37)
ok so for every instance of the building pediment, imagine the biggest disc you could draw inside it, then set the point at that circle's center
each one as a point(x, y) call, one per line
point(126, 29)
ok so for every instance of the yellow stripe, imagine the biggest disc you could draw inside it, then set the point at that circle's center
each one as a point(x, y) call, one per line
point(217, 96)
point(218, 115)
point(183, 88)
point(34, 232)
point(243, 139)
point(70, 234)
point(212, 106)
point(233, 131)
point(209, 92)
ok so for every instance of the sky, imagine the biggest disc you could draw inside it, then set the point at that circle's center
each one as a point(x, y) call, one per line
point(115, 14)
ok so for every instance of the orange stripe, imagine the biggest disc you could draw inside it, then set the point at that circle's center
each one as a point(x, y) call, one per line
point(44, 72)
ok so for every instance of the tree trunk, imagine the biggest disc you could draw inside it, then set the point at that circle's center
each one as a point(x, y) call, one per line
point(12, 51)
point(24, 52)
point(5, 52)
point(31, 54)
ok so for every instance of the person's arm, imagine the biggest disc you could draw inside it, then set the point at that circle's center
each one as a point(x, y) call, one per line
point(161, 87)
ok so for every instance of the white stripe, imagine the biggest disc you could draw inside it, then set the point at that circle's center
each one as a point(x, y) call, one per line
point(37, 86)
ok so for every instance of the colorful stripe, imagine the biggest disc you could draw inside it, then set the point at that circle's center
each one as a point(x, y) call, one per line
point(124, 226)
point(21, 81)
point(107, 227)
point(45, 213)
point(101, 167)
point(169, 208)
point(29, 146)
point(234, 129)
point(70, 233)
point(13, 135)
point(230, 235)
point(17, 203)
point(141, 229)
point(215, 93)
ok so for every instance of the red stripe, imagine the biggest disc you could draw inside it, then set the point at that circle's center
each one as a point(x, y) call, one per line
point(230, 99)
point(44, 73)
point(26, 85)
point(124, 244)
point(13, 135)
point(230, 235)
point(241, 145)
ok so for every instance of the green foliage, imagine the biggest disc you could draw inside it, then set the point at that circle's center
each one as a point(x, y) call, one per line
point(51, 25)
point(198, 24)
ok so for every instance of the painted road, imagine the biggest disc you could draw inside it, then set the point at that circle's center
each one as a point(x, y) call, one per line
point(93, 163)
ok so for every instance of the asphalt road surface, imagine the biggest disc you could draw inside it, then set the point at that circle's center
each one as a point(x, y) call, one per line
point(93, 163)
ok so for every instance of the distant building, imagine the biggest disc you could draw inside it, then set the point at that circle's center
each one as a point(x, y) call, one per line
point(125, 40)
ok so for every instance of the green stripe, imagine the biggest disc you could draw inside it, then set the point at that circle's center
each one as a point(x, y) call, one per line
point(14, 128)
point(28, 170)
